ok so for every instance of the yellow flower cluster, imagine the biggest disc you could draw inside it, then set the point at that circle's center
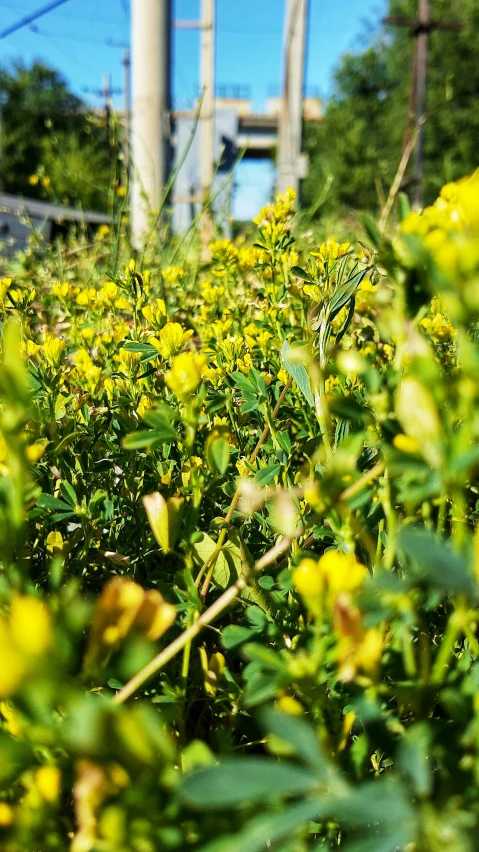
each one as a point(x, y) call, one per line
point(24, 638)
point(334, 580)
point(171, 339)
point(281, 210)
point(450, 228)
point(185, 374)
point(123, 607)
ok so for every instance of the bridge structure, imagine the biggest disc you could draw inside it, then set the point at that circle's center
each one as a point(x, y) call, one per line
point(238, 130)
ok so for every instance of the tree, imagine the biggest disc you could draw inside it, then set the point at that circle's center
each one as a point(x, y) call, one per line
point(359, 142)
point(49, 144)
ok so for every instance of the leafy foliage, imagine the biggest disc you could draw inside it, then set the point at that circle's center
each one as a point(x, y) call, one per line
point(359, 142)
point(51, 147)
point(239, 565)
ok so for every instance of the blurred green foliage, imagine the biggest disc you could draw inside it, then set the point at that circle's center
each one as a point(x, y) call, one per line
point(51, 146)
point(359, 142)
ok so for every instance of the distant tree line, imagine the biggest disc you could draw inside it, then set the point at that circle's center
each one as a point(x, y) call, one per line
point(359, 142)
point(51, 145)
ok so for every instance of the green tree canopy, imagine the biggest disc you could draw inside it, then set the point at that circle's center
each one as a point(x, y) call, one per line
point(359, 142)
point(47, 132)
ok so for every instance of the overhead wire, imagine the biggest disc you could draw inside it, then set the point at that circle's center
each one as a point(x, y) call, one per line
point(29, 19)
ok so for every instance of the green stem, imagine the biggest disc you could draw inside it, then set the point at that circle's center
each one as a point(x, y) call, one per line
point(447, 647)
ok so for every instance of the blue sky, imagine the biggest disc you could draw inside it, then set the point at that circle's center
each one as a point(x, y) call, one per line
point(85, 39)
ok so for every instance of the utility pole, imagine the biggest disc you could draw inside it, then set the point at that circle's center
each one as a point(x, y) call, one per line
point(420, 96)
point(290, 163)
point(420, 28)
point(151, 107)
point(107, 93)
point(207, 115)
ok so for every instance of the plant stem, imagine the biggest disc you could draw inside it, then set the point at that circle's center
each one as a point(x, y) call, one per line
point(222, 536)
point(204, 619)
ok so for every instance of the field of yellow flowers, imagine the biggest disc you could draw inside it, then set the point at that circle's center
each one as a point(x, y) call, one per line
point(239, 567)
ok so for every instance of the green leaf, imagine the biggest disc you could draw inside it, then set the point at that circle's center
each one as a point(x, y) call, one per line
point(237, 781)
point(243, 383)
point(343, 294)
point(301, 273)
point(160, 417)
point(266, 475)
point(349, 408)
point(218, 455)
point(149, 437)
point(300, 735)
point(48, 501)
point(146, 350)
point(267, 658)
point(65, 442)
point(68, 492)
point(203, 550)
point(436, 563)
point(15, 757)
point(414, 758)
point(371, 229)
point(164, 517)
point(265, 829)
point(235, 635)
point(292, 362)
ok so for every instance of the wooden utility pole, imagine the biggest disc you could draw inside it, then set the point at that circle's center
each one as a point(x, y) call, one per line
point(151, 108)
point(290, 162)
point(420, 28)
point(207, 115)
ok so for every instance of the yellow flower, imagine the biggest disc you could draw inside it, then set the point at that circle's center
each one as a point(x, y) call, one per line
point(48, 781)
point(213, 375)
point(122, 304)
point(336, 572)
point(243, 468)
point(155, 314)
point(102, 232)
point(439, 328)
point(369, 651)
point(53, 348)
point(35, 451)
point(60, 290)
point(308, 578)
point(109, 292)
point(12, 719)
point(193, 463)
point(185, 375)
point(172, 339)
point(144, 405)
point(109, 386)
point(33, 180)
point(279, 211)
point(330, 250)
point(313, 291)
point(30, 348)
point(30, 625)
point(290, 705)
point(172, 274)
point(55, 542)
point(342, 572)
point(124, 606)
point(406, 444)
point(7, 815)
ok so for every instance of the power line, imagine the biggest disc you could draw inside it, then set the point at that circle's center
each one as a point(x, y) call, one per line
point(29, 19)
